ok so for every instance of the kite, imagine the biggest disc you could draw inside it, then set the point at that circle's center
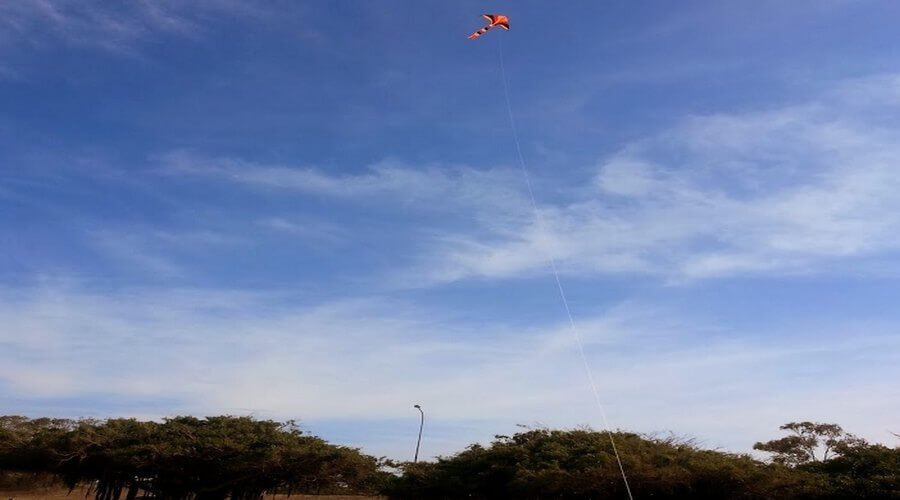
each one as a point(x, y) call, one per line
point(495, 20)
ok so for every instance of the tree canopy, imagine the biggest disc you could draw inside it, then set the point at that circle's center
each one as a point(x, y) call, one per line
point(185, 457)
point(240, 458)
point(809, 442)
point(580, 464)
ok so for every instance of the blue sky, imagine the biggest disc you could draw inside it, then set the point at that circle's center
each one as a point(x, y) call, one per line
point(313, 210)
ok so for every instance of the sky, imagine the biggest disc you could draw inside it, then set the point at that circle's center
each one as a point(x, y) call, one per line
point(315, 211)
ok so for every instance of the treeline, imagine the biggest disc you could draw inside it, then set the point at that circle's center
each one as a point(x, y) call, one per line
point(183, 458)
point(241, 458)
point(580, 464)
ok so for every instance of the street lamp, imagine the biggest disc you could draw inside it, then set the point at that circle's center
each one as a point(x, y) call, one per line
point(421, 424)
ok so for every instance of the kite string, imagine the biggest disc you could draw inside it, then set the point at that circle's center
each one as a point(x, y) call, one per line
point(562, 294)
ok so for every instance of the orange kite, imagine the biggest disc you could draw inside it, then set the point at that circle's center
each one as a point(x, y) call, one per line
point(495, 20)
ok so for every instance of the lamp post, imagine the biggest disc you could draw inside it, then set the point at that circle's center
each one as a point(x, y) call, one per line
point(421, 425)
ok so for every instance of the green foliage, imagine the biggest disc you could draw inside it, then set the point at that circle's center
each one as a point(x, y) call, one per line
point(580, 464)
point(861, 471)
point(185, 457)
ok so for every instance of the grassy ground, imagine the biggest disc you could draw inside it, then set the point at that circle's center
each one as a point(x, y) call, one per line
point(60, 493)
point(44, 493)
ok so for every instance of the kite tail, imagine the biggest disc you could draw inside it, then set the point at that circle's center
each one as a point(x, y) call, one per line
point(479, 32)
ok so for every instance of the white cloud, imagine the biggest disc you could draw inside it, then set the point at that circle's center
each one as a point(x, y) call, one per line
point(786, 190)
point(132, 249)
point(211, 351)
point(156, 251)
point(81, 23)
point(112, 27)
point(626, 176)
point(796, 189)
point(309, 229)
point(390, 179)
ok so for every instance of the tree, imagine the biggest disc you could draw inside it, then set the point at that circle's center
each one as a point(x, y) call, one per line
point(808, 441)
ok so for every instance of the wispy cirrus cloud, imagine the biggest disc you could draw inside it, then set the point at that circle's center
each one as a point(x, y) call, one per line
point(309, 229)
point(116, 28)
point(431, 188)
point(780, 190)
point(91, 24)
point(154, 251)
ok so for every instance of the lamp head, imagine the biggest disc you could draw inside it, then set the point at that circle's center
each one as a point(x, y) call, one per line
point(417, 406)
